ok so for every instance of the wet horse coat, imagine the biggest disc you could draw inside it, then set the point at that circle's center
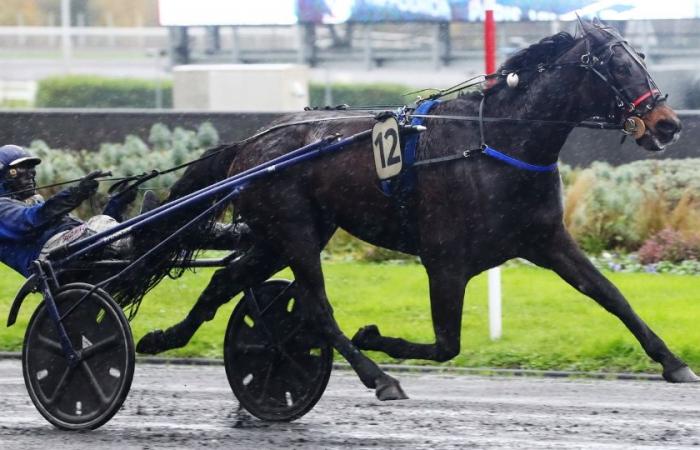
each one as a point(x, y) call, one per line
point(463, 217)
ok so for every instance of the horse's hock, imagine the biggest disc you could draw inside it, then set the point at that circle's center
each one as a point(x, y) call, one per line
point(241, 87)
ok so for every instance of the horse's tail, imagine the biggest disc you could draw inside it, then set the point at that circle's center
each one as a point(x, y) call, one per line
point(212, 166)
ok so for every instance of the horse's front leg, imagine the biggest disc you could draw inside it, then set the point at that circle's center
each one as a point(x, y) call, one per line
point(447, 282)
point(561, 254)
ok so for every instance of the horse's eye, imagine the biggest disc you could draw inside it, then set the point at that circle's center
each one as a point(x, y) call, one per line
point(642, 55)
point(623, 70)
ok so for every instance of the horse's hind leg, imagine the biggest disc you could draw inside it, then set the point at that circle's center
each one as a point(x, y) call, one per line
point(562, 255)
point(257, 265)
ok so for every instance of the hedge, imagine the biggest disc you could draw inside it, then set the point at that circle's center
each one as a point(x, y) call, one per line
point(381, 94)
point(87, 91)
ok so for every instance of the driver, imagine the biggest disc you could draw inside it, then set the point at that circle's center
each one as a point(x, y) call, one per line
point(30, 226)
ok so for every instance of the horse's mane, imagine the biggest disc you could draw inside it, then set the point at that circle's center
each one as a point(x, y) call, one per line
point(130, 290)
point(546, 51)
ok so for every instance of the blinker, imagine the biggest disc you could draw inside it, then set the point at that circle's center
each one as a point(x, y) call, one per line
point(634, 126)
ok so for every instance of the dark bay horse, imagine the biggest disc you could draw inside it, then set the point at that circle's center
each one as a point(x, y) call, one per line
point(464, 214)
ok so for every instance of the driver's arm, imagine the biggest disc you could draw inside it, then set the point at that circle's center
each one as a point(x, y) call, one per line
point(17, 219)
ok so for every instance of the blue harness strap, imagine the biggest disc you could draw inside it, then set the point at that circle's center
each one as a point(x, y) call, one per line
point(406, 178)
point(409, 154)
point(516, 162)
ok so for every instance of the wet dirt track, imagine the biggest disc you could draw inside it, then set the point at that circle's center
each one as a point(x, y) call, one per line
point(192, 406)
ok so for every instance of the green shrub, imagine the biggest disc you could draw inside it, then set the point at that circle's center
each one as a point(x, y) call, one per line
point(621, 207)
point(356, 94)
point(88, 91)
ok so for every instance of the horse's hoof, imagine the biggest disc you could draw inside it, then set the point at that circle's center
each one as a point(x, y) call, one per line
point(681, 375)
point(367, 338)
point(389, 389)
point(152, 343)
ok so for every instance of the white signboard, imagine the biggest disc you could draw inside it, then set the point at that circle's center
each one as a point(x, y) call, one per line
point(226, 12)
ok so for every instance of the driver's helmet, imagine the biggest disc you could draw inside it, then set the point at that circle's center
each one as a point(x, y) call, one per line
point(12, 156)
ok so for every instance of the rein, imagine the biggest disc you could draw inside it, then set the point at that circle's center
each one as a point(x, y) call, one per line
point(62, 183)
point(121, 180)
point(597, 125)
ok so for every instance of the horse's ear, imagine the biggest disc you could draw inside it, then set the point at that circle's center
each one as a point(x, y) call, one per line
point(585, 26)
point(580, 28)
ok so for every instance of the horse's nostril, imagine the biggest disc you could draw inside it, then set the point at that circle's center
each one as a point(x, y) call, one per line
point(668, 128)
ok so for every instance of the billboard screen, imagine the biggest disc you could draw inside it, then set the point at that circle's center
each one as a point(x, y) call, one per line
point(288, 12)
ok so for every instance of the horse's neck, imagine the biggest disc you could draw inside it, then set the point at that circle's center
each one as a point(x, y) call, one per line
point(532, 142)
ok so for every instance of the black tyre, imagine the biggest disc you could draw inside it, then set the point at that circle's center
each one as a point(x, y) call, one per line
point(277, 365)
point(87, 395)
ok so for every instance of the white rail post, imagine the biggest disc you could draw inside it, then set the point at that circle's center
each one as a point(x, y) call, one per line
point(495, 321)
point(66, 43)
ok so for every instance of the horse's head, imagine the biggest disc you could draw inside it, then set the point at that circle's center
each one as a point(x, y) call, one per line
point(596, 74)
point(622, 87)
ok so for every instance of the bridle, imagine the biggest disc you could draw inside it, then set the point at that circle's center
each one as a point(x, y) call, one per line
point(598, 62)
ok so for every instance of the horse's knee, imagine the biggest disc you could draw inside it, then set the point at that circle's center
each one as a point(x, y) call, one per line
point(327, 325)
point(446, 352)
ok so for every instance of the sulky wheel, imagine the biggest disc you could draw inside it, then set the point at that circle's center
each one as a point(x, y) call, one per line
point(87, 394)
point(277, 365)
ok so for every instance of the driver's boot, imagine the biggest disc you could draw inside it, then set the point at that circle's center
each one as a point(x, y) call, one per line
point(150, 202)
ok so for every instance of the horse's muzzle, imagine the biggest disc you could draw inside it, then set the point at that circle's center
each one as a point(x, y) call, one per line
point(663, 128)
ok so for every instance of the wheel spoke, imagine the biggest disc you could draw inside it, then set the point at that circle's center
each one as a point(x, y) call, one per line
point(93, 382)
point(266, 332)
point(60, 386)
point(274, 300)
point(266, 383)
point(100, 346)
point(52, 345)
point(295, 365)
point(292, 333)
point(252, 349)
point(75, 305)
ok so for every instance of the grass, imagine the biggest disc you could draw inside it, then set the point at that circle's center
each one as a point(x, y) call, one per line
point(546, 325)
